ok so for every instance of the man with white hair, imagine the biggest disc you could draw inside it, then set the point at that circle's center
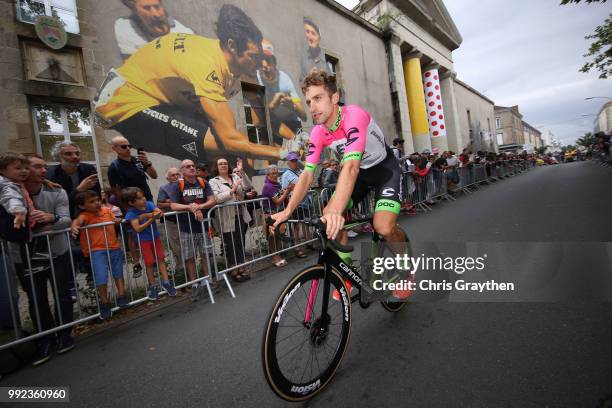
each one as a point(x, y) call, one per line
point(71, 174)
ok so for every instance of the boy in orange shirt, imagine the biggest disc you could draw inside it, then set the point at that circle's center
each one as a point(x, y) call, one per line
point(103, 242)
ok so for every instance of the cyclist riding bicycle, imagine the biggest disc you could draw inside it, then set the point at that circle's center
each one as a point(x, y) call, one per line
point(367, 163)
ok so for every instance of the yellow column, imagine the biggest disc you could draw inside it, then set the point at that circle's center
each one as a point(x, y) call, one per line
point(416, 102)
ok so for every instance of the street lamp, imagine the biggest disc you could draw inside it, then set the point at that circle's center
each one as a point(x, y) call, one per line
point(597, 97)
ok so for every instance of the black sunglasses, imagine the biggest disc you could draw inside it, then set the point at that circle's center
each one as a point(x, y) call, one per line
point(126, 146)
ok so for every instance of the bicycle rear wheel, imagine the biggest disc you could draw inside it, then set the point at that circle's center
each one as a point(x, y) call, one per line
point(300, 357)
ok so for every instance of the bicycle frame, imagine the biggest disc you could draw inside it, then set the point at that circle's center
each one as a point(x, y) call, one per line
point(329, 259)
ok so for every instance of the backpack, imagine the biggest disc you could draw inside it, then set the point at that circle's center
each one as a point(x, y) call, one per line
point(201, 182)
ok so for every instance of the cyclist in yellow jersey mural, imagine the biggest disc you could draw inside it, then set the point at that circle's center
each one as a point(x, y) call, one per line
point(171, 96)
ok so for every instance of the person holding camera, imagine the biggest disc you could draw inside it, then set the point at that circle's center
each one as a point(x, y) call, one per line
point(130, 171)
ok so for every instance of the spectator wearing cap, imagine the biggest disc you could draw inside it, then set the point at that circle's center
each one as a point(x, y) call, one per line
point(290, 176)
point(284, 103)
point(202, 171)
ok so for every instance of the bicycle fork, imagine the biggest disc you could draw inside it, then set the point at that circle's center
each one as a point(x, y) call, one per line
point(312, 296)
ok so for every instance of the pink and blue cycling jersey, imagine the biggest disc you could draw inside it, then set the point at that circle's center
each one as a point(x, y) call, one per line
point(354, 136)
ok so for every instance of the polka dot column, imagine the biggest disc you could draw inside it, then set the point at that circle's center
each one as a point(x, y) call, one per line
point(433, 102)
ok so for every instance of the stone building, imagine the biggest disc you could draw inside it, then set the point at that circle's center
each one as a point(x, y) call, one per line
point(476, 118)
point(509, 128)
point(421, 37)
point(513, 134)
point(131, 70)
point(50, 95)
point(532, 136)
point(603, 122)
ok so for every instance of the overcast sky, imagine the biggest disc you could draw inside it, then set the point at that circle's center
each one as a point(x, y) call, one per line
point(527, 53)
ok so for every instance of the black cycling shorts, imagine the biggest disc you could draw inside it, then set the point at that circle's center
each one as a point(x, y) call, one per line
point(168, 130)
point(386, 180)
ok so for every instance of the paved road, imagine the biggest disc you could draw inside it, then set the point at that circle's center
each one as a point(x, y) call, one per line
point(436, 354)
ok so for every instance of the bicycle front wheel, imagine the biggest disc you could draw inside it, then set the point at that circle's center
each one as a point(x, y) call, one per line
point(302, 348)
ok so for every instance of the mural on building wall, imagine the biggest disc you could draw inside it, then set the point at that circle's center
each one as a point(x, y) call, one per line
point(283, 101)
point(171, 95)
point(313, 56)
point(148, 20)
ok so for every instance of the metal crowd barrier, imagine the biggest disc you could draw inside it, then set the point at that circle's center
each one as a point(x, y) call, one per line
point(238, 244)
point(44, 284)
point(440, 185)
point(418, 191)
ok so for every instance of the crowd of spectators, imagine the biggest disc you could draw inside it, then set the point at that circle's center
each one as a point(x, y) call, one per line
point(36, 198)
point(70, 196)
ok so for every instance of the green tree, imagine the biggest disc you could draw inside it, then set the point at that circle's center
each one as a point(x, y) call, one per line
point(601, 48)
point(541, 149)
point(587, 140)
point(386, 21)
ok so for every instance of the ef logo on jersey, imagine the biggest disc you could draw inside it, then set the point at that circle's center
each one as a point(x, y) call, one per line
point(311, 149)
point(349, 139)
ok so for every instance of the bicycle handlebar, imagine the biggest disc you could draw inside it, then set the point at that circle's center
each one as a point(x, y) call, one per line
point(319, 226)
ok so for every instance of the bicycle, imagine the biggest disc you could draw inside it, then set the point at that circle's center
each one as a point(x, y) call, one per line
point(304, 312)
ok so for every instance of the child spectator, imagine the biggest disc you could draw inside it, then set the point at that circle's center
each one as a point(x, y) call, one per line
point(102, 241)
point(141, 215)
point(14, 198)
point(107, 193)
